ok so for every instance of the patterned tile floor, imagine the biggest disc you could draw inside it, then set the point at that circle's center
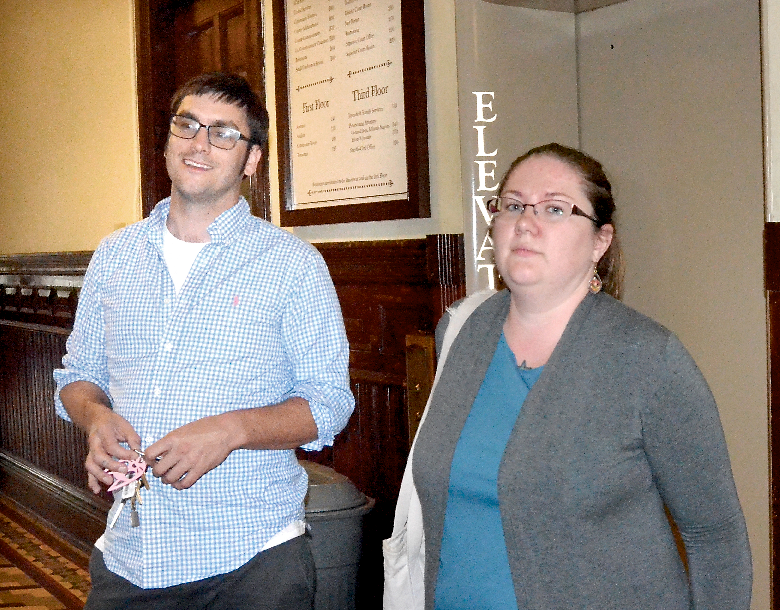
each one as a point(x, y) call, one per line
point(33, 575)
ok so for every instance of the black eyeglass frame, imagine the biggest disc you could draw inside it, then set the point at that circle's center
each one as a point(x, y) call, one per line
point(200, 125)
point(493, 205)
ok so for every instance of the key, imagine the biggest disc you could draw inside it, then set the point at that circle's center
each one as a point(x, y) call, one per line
point(135, 469)
point(136, 473)
point(127, 493)
point(116, 514)
point(135, 519)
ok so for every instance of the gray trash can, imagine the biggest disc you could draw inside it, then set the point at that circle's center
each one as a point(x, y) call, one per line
point(334, 512)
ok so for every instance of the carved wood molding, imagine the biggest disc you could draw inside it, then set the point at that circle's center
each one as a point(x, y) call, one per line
point(45, 263)
point(403, 260)
point(41, 289)
point(376, 262)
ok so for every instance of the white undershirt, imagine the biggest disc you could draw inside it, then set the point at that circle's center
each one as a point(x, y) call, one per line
point(179, 256)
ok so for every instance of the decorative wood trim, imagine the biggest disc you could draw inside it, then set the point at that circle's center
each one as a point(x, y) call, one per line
point(41, 289)
point(260, 181)
point(377, 262)
point(55, 330)
point(154, 82)
point(144, 88)
point(446, 270)
point(45, 263)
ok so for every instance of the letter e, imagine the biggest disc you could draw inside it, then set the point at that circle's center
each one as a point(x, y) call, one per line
point(483, 173)
point(480, 105)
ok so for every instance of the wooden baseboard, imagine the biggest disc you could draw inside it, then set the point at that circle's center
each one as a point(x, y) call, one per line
point(74, 514)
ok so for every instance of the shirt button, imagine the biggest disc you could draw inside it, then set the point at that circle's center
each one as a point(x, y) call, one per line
point(157, 392)
point(168, 346)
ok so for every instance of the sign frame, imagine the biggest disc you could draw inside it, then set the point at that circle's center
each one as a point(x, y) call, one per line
point(416, 204)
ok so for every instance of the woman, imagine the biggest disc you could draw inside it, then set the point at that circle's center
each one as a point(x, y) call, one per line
point(564, 422)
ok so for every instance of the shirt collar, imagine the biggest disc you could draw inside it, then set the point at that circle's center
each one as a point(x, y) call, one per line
point(225, 228)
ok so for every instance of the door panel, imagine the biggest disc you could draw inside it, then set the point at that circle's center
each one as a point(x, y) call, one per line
point(211, 35)
point(176, 41)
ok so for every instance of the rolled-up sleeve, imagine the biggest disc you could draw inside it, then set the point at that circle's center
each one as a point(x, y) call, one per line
point(316, 343)
point(85, 358)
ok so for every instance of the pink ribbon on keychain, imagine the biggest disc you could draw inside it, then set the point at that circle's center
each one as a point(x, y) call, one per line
point(135, 470)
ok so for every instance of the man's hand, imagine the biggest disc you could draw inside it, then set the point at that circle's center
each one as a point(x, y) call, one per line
point(106, 432)
point(185, 454)
point(90, 409)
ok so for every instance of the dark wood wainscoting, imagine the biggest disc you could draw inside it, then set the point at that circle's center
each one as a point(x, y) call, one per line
point(389, 290)
point(41, 456)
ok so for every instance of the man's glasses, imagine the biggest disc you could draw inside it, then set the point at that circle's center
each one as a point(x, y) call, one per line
point(551, 211)
point(220, 136)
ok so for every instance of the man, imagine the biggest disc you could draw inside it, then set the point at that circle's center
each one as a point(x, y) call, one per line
point(211, 343)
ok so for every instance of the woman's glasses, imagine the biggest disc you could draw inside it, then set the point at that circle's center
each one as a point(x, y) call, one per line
point(551, 211)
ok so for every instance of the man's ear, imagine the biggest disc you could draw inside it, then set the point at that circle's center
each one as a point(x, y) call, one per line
point(255, 154)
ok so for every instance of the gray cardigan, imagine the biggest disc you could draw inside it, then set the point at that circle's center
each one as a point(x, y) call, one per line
point(620, 423)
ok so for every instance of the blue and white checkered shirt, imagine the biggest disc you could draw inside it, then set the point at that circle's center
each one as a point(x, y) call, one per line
point(256, 322)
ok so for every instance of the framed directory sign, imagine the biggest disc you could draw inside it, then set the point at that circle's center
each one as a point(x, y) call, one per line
point(351, 110)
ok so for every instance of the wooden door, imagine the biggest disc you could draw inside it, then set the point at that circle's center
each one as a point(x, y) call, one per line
point(211, 35)
point(176, 41)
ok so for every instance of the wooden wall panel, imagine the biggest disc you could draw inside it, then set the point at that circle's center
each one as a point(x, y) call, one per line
point(387, 290)
point(27, 388)
point(41, 456)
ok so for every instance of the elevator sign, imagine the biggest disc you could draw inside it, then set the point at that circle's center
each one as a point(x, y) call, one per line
point(485, 187)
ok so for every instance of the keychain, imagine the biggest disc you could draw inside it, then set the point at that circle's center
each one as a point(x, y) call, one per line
point(136, 473)
point(135, 470)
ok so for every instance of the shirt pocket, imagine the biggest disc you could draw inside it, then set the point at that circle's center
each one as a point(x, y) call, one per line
point(228, 328)
point(130, 330)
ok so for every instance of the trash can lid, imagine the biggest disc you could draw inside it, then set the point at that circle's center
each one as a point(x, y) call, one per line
point(329, 490)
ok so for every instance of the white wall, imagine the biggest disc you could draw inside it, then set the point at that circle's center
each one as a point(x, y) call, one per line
point(670, 96)
point(522, 63)
point(771, 77)
point(70, 155)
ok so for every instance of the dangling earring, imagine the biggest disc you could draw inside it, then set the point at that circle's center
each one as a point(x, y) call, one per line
point(595, 282)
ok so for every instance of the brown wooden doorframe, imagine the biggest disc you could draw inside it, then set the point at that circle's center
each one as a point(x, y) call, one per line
point(772, 284)
point(156, 83)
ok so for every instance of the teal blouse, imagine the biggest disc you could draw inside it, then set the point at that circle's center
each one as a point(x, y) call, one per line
point(474, 566)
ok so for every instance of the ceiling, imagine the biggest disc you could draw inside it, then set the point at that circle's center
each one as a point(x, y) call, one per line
point(564, 6)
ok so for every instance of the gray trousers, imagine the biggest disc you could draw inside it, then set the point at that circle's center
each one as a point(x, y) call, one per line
point(281, 578)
